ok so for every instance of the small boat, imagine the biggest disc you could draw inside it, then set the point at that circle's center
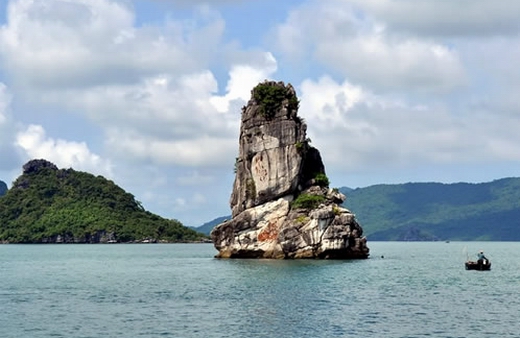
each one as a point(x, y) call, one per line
point(481, 265)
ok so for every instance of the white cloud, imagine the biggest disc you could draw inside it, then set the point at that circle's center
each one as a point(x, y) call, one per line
point(242, 78)
point(147, 87)
point(357, 130)
point(194, 178)
point(63, 43)
point(199, 2)
point(9, 157)
point(447, 18)
point(160, 104)
point(327, 101)
point(63, 153)
point(200, 151)
point(166, 119)
point(407, 90)
point(162, 119)
point(350, 42)
point(382, 62)
point(162, 97)
point(199, 199)
point(190, 204)
point(5, 101)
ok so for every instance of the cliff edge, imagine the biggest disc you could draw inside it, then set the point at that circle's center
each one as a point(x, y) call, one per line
point(281, 203)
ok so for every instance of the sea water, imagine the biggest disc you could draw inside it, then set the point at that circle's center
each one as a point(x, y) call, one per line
point(179, 290)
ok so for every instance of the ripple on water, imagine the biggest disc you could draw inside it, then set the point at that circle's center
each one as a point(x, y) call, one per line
point(182, 291)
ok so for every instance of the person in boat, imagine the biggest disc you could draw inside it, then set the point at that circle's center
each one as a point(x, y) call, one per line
point(480, 257)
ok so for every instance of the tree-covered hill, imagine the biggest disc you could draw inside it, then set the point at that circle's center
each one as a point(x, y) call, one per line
point(436, 211)
point(48, 205)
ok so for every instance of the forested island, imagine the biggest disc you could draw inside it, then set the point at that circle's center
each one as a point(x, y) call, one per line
point(50, 205)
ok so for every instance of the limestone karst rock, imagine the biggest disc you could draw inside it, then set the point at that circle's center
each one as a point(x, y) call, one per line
point(281, 204)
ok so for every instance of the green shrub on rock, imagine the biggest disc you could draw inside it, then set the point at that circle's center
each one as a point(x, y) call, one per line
point(307, 201)
point(322, 180)
point(270, 97)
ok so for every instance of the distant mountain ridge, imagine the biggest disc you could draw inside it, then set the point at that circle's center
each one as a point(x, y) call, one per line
point(208, 226)
point(3, 188)
point(437, 211)
point(434, 211)
point(51, 205)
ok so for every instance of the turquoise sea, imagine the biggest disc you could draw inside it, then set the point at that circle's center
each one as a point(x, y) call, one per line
point(180, 290)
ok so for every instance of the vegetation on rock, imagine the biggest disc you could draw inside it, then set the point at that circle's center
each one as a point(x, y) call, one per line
point(307, 201)
point(270, 97)
point(303, 147)
point(46, 203)
point(322, 180)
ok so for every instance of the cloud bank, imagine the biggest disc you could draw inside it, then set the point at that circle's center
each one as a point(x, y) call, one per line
point(149, 93)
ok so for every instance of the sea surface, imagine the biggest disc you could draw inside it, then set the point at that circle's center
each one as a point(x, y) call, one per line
point(179, 290)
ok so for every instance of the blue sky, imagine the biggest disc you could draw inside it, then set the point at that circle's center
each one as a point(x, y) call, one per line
point(148, 92)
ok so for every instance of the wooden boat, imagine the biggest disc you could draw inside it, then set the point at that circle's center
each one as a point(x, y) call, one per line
point(481, 265)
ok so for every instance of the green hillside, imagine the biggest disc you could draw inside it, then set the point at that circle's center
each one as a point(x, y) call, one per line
point(47, 205)
point(436, 211)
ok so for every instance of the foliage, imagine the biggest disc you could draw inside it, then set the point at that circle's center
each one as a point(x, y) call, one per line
point(322, 180)
point(307, 201)
point(293, 103)
point(300, 147)
point(47, 202)
point(459, 211)
point(271, 96)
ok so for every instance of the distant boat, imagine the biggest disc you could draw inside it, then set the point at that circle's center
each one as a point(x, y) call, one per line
point(481, 265)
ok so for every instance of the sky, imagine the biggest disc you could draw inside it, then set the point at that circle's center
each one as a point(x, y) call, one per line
point(148, 93)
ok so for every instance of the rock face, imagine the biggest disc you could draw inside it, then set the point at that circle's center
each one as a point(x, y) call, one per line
point(281, 204)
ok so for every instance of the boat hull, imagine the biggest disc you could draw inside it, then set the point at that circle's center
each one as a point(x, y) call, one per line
point(478, 265)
